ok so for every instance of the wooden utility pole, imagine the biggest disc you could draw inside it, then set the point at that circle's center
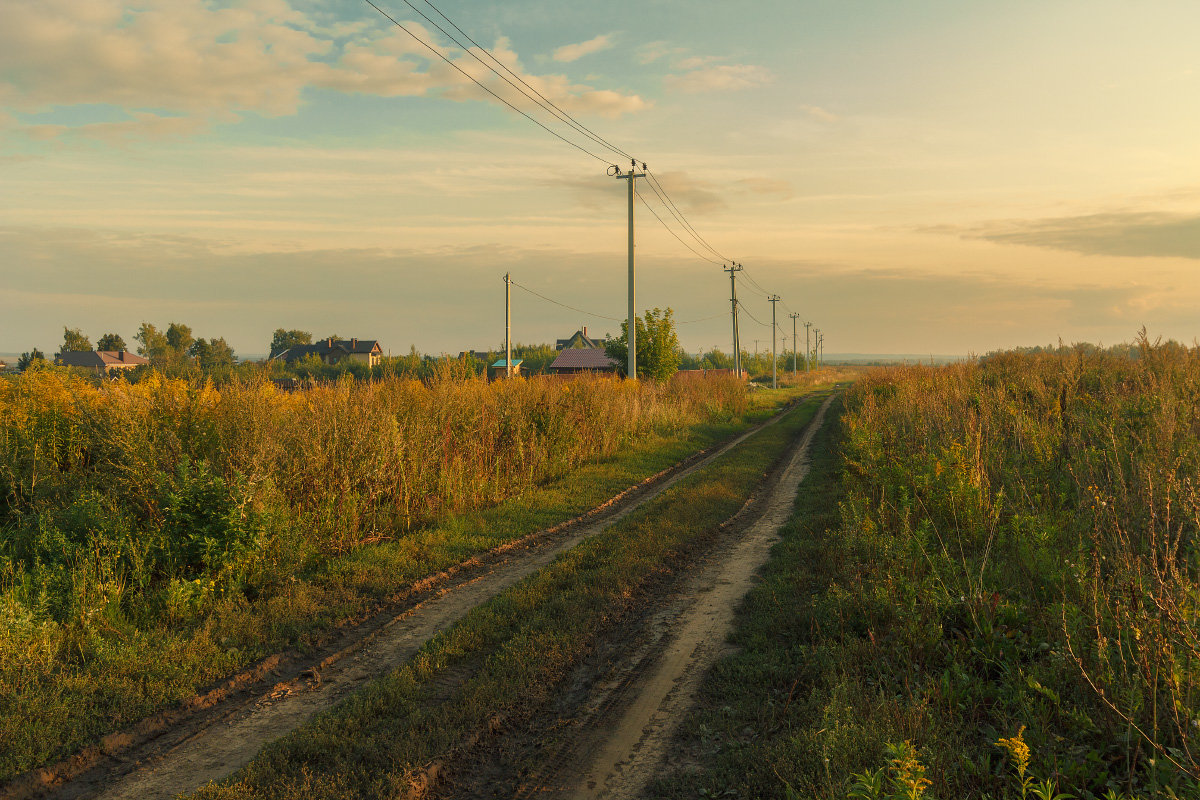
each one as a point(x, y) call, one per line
point(807, 351)
point(774, 360)
point(733, 270)
point(794, 316)
point(631, 333)
point(507, 326)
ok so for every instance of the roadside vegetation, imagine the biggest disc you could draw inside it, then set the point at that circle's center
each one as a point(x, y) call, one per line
point(989, 590)
point(156, 536)
point(509, 654)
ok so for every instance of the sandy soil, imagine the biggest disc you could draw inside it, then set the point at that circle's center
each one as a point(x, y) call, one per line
point(192, 749)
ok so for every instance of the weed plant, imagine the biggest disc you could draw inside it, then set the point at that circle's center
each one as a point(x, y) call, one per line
point(156, 536)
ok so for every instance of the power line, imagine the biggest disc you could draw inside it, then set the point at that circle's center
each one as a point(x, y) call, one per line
point(564, 305)
point(688, 225)
point(702, 319)
point(546, 103)
point(751, 316)
point(469, 77)
point(665, 199)
point(673, 233)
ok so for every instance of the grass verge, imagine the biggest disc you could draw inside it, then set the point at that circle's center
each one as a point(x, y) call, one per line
point(515, 648)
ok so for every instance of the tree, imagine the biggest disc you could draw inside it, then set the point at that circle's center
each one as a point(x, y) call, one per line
point(74, 341)
point(154, 344)
point(34, 358)
point(214, 355)
point(658, 352)
point(179, 337)
point(282, 339)
point(111, 342)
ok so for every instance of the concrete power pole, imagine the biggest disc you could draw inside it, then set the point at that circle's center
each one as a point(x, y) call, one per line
point(807, 351)
point(816, 345)
point(774, 359)
point(794, 316)
point(733, 270)
point(631, 335)
point(507, 327)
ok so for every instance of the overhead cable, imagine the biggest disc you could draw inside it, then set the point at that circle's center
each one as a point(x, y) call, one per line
point(545, 102)
point(564, 305)
point(683, 220)
point(673, 233)
point(471, 78)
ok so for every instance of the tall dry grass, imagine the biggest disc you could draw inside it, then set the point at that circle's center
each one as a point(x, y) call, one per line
point(156, 536)
point(139, 484)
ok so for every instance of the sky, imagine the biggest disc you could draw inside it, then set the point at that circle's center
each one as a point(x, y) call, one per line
point(927, 176)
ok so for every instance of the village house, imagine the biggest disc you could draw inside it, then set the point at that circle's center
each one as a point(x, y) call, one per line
point(100, 361)
point(499, 369)
point(335, 351)
point(579, 340)
point(574, 361)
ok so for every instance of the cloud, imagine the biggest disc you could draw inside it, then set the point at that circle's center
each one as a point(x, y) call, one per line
point(1135, 234)
point(191, 58)
point(142, 126)
point(720, 77)
point(820, 114)
point(653, 51)
point(574, 52)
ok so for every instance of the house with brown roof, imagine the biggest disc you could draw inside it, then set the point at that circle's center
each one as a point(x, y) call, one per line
point(334, 351)
point(575, 361)
point(100, 361)
point(577, 340)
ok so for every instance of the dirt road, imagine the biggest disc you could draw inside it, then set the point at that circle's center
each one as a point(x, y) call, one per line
point(609, 732)
point(212, 745)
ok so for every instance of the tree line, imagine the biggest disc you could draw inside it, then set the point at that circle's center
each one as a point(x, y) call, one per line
point(176, 351)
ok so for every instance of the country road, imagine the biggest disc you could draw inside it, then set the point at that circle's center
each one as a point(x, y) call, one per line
point(615, 726)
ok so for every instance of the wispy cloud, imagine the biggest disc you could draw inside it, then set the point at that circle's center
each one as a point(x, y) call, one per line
point(720, 77)
point(189, 58)
point(820, 114)
point(1135, 234)
point(574, 52)
point(653, 51)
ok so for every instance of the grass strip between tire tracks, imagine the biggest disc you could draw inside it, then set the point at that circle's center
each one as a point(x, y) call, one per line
point(513, 649)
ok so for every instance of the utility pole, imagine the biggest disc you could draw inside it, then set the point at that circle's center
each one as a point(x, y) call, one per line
point(794, 316)
point(816, 345)
point(774, 360)
point(733, 270)
point(807, 351)
point(507, 327)
point(631, 334)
